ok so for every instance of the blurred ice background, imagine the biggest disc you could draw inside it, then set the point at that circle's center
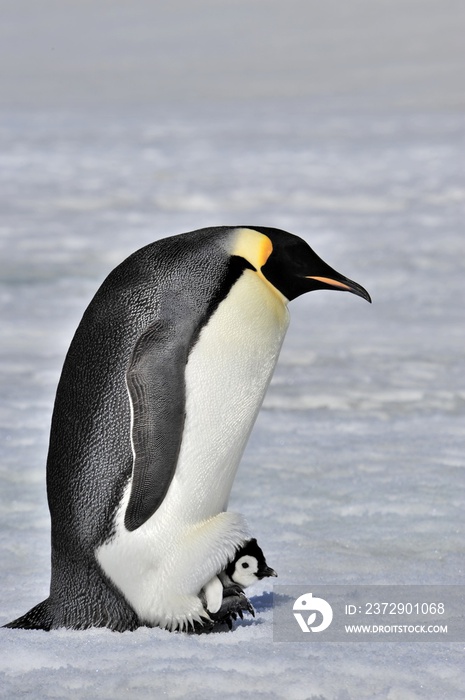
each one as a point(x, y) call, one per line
point(340, 121)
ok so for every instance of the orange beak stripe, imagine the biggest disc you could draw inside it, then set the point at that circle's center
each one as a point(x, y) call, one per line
point(332, 283)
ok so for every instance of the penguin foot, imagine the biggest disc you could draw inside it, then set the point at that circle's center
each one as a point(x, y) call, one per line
point(235, 602)
point(233, 606)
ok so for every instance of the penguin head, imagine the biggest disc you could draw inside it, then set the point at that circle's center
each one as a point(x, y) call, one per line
point(249, 565)
point(288, 263)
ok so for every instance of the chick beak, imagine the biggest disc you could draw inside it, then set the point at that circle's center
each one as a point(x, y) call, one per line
point(267, 571)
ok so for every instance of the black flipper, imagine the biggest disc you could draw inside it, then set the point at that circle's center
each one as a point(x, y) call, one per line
point(155, 380)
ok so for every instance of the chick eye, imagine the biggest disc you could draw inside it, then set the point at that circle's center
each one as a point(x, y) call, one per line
point(245, 565)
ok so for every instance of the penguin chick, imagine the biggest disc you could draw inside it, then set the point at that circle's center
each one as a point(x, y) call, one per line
point(248, 566)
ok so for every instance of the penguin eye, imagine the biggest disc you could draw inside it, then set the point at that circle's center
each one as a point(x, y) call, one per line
point(245, 565)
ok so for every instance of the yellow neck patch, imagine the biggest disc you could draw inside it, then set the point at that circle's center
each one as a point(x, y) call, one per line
point(252, 245)
point(256, 248)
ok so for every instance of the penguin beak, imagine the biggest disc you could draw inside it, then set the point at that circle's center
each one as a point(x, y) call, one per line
point(341, 283)
point(267, 571)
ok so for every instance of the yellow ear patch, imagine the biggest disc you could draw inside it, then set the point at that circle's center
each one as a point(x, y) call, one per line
point(253, 246)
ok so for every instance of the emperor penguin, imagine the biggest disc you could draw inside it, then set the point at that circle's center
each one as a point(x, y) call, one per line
point(158, 394)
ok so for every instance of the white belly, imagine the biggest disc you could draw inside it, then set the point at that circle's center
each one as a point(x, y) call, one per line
point(189, 538)
point(227, 375)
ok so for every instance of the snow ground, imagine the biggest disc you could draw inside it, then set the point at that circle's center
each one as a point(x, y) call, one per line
point(354, 472)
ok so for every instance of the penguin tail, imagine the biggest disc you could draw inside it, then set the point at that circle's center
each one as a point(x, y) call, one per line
point(38, 618)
